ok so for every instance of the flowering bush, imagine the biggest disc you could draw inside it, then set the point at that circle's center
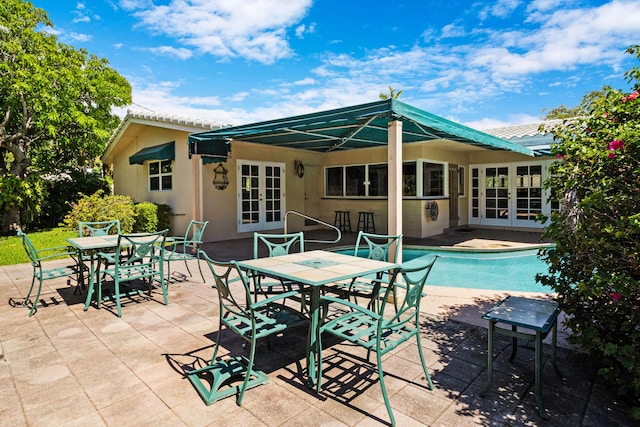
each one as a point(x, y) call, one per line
point(595, 266)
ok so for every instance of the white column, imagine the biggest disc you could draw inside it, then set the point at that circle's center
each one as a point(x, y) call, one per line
point(394, 162)
point(196, 185)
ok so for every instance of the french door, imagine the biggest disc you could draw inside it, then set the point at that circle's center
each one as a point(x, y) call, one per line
point(507, 194)
point(261, 196)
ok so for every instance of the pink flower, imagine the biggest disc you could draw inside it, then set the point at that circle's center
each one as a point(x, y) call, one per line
point(612, 154)
point(631, 96)
point(615, 296)
point(616, 144)
point(561, 156)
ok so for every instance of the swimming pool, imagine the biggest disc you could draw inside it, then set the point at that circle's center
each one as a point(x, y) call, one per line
point(504, 270)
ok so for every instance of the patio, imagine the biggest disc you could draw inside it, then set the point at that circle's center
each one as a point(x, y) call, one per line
point(65, 366)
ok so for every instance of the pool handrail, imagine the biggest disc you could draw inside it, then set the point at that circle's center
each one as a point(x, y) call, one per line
point(300, 214)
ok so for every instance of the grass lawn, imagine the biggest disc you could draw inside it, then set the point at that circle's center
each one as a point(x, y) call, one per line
point(12, 252)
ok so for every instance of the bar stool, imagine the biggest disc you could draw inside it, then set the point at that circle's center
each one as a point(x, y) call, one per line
point(342, 221)
point(365, 222)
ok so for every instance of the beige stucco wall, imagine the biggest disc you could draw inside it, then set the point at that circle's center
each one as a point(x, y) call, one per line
point(304, 194)
point(132, 180)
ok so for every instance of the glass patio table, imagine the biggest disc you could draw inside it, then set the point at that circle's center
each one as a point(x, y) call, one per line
point(315, 269)
point(539, 317)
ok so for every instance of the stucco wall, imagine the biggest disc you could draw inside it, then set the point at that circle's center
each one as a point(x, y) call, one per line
point(132, 180)
point(301, 194)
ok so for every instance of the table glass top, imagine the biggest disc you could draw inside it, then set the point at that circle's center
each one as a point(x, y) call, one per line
point(529, 313)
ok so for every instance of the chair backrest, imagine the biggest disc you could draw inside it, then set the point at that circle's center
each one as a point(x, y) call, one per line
point(145, 248)
point(377, 246)
point(278, 244)
point(232, 285)
point(31, 250)
point(193, 235)
point(411, 280)
point(98, 228)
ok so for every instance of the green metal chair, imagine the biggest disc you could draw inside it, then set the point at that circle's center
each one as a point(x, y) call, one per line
point(378, 331)
point(89, 229)
point(277, 244)
point(144, 264)
point(249, 319)
point(41, 274)
point(98, 228)
point(372, 246)
point(186, 248)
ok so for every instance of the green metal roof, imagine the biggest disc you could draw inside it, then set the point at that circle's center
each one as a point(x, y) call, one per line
point(157, 152)
point(348, 128)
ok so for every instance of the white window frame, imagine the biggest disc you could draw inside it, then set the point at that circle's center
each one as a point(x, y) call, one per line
point(159, 175)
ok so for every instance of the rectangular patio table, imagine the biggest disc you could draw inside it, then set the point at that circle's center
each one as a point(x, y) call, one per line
point(91, 245)
point(315, 269)
point(538, 316)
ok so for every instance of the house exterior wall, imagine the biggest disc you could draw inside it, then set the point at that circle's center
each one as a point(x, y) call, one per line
point(302, 194)
point(132, 180)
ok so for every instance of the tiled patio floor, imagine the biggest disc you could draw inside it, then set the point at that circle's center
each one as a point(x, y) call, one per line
point(65, 366)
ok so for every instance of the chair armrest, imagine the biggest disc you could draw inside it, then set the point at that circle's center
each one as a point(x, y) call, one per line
point(351, 305)
point(58, 252)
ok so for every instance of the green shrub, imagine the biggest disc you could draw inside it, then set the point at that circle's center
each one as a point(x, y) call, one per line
point(98, 207)
point(164, 217)
point(146, 217)
point(595, 267)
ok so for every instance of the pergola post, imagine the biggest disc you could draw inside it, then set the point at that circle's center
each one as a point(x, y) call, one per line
point(394, 162)
point(196, 185)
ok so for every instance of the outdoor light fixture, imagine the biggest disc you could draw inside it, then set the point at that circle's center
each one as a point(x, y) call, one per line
point(220, 180)
point(299, 168)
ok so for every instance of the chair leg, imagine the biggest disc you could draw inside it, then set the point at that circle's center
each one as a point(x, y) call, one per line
point(384, 390)
point(189, 271)
point(200, 268)
point(319, 357)
point(35, 301)
point(248, 374)
point(424, 366)
point(116, 288)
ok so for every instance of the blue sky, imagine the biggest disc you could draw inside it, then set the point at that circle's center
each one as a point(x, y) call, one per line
point(485, 63)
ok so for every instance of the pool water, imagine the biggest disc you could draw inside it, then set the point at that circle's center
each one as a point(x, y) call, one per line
point(513, 270)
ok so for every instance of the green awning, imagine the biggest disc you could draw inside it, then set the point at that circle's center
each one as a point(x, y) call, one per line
point(157, 152)
point(359, 126)
point(212, 151)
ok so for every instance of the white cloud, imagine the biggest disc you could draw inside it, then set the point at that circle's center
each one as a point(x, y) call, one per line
point(253, 29)
point(170, 51)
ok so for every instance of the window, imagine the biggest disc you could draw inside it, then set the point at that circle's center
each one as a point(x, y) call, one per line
point(461, 181)
point(433, 179)
point(424, 178)
point(409, 179)
point(160, 178)
point(334, 181)
point(420, 179)
point(357, 181)
point(378, 180)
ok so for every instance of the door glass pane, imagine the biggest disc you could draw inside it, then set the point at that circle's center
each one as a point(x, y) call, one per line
point(497, 193)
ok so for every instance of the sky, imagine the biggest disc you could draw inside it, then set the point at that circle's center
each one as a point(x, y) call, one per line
point(485, 64)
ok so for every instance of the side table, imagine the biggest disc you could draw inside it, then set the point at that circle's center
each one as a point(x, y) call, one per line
point(534, 315)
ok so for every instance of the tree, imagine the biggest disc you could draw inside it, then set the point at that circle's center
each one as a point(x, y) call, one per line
point(391, 95)
point(55, 105)
point(595, 266)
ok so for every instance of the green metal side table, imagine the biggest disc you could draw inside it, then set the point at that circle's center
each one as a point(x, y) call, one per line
point(534, 315)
